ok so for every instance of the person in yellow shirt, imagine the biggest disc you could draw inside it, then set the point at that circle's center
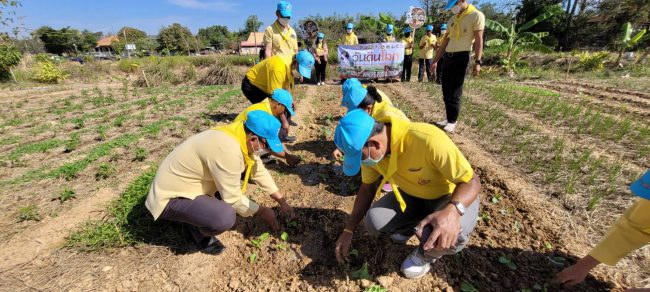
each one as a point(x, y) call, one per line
point(200, 182)
point(273, 73)
point(389, 37)
point(320, 52)
point(407, 39)
point(437, 193)
point(350, 38)
point(465, 35)
point(630, 232)
point(427, 48)
point(277, 105)
point(280, 38)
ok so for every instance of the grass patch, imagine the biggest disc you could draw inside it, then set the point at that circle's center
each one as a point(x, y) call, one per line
point(222, 99)
point(38, 147)
point(66, 194)
point(29, 213)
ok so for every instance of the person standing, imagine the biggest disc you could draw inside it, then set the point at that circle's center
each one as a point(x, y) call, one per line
point(320, 52)
point(280, 37)
point(389, 37)
point(407, 39)
point(350, 37)
point(465, 35)
point(443, 32)
point(427, 48)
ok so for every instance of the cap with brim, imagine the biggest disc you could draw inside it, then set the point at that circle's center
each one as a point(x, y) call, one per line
point(349, 26)
point(321, 35)
point(450, 4)
point(266, 126)
point(351, 134)
point(354, 97)
point(285, 9)
point(284, 97)
point(429, 27)
point(443, 26)
point(390, 28)
point(305, 62)
point(641, 187)
point(347, 86)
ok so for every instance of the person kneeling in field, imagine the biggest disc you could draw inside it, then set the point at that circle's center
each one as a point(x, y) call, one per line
point(199, 182)
point(279, 103)
point(277, 72)
point(631, 231)
point(437, 198)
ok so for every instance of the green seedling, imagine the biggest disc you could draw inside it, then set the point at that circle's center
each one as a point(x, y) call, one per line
point(375, 288)
point(104, 171)
point(252, 258)
point(361, 273)
point(517, 226)
point(485, 216)
point(507, 262)
point(559, 262)
point(101, 133)
point(293, 224)
point(283, 246)
point(260, 239)
point(497, 198)
point(354, 252)
point(548, 245)
point(467, 287)
point(140, 154)
point(73, 143)
point(29, 213)
point(66, 194)
point(78, 123)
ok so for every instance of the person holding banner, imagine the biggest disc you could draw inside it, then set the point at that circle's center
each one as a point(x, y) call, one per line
point(441, 38)
point(320, 52)
point(389, 37)
point(350, 38)
point(435, 191)
point(427, 48)
point(280, 37)
point(465, 35)
point(407, 39)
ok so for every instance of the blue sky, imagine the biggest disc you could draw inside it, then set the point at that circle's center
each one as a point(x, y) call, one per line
point(150, 15)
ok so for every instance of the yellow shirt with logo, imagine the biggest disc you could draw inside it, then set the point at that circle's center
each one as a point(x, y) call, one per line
point(630, 232)
point(424, 162)
point(461, 39)
point(283, 41)
point(264, 105)
point(408, 42)
point(390, 38)
point(429, 43)
point(205, 163)
point(272, 73)
point(351, 39)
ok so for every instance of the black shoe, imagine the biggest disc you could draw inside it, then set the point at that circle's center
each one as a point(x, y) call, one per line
point(289, 139)
point(292, 123)
point(212, 246)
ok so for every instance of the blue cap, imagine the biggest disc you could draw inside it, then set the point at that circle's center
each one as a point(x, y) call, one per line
point(321, 35)
point(305, 62)
point(347, 86)
point(266, 126)
point(450, 4)
point(351, 134)
point(285, 9)
point(354, 97)
point(443, 26)
point(408, 30)
point(641, 187)
point(349, 26)
point(284, 97)
point(429, 27)
point(389, 28)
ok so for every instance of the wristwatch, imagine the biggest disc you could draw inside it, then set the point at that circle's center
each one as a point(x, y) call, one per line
point(479, 62)
point(459, 207)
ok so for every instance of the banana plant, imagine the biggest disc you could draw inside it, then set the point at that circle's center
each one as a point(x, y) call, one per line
point(516, 40)
point(379, 23)
point(627, 41)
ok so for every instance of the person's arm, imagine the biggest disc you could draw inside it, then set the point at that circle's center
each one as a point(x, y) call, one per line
point(325, 51)
point(362, 203)
point(261, 176)
point(478, 51)
point(441, 50)
point(225, 171)
point(268, 42)
point(423, 43)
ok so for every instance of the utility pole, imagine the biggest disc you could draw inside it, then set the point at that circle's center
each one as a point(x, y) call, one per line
point(126, 42)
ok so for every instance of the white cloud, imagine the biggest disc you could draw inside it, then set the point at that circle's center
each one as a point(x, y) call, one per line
point(222, 6)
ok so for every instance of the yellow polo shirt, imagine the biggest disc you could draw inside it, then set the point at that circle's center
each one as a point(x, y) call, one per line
point(390, 38)
point(408, 42)
point(272, 73)
point(461, 40)
point(205, 163)
point(283, 41)
point(429, 43)
point(351, 39)
point(424, 162)
point(263, 105)
point(630, 232)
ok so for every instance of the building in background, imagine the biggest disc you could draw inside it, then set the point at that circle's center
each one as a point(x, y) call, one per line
point(252, 45)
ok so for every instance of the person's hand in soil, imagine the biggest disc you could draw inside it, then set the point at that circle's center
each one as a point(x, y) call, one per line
point(577, 273)
point(343, 246)
point(268, 215)
point(446, 227)
point(287, 210)
point(337, 154)
point(293, 160)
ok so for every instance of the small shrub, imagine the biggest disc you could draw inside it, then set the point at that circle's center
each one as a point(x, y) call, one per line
point(592, 61)
point(78, 123)
point(29, 213)
point(221, 75)
point(128, 66)
point(73, 143)
point(140, 154)
point(104, 171)
point(119, 121)
point(66, 194)
point(48, 72)
point(101, 132)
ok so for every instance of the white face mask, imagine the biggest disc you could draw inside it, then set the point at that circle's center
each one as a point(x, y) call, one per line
point(370, 161)
point(284, 21)
point(349, 31)
point(259, 151)
point(456, 9)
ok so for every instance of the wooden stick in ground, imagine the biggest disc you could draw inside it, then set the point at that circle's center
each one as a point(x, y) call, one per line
point(145, 78)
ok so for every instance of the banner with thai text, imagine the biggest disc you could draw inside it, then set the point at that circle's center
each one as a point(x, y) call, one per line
point(371, 61)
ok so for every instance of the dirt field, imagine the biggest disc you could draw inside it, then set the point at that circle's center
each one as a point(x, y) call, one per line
point(554, 158)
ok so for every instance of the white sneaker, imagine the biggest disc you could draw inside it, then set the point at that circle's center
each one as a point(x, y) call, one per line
point(450, 127)
point(399, 239)
point(441, 123)
point(414, 266)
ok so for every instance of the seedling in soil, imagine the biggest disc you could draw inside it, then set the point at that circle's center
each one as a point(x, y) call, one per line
point(101, 133)
point(375, 288)
point(293, 224)
point(517, 226)
point(73, 143)
point(283, 246)
point(485, 216)
point(66, 194)
point(119, 121)
point(104, 171)
point(467, 287)
point(78, 123)
point(140, 154)
point(507, 262)
point(29, 213)
point(252, 258)
point(260, 239)
point(361, 273)
point(548, 245)
point(497, 198)
point(557, 261)
point(354, 252)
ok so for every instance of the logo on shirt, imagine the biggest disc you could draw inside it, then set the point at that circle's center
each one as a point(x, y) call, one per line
point(293, 36)
point(423, 182)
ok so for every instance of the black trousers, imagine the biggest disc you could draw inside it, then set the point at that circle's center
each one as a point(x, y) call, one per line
point(321, 70)
point(439, 72)
point(424, 65)
point(454, 69)
point(252, 93)
point(407, 66)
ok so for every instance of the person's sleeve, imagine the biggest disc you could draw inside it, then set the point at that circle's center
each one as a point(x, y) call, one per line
point(262, 177)
point(227, 178)
point(450, 162)
point(480, 22)
point(356, 40)
point(268, 35)
point(369, 175)
point(630, 232)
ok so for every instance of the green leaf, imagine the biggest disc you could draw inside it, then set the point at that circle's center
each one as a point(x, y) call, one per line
point(252, 258)
point(467, 287)
point(495, 26)
point(626, 34)
point(554, 10)
point(504, 260)
point(264, 236)
point(494, 42)
point(354, 252)
point(284, 236)
point(635, 39)
point(548, 245)
point(361, 273)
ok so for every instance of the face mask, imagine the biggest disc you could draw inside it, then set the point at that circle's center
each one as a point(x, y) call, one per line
point(284, 21)
point(259, 151)
point(369, 161)
point(456, 9)
point(349, 31)
point(295, 73)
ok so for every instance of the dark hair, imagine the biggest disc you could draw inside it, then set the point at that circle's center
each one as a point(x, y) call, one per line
point(376, 129)
point(370, 99)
